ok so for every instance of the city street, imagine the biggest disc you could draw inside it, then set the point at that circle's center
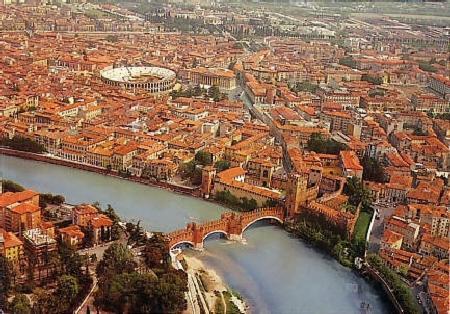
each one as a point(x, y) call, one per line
point(97, 250)
point(384, 211)
point(422, 297)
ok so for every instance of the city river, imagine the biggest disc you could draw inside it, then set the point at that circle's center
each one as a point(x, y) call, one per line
point(275, 273)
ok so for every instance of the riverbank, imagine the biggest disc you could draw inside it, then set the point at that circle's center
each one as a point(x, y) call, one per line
point(250, 269)
point(206, 285)
point(102, 171)
point(188, 191)
point(208, 292)
point(345, 255)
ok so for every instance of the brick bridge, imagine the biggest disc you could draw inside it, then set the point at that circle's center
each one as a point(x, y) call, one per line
point(231, 224)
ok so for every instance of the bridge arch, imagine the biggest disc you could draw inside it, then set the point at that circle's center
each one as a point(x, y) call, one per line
point(214, 231)
point(261, 218)
point(182, 242)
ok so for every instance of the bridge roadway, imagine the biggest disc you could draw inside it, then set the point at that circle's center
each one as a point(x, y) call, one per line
point(231, 224)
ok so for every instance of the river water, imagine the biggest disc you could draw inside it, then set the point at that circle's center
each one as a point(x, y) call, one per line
point(275, 273)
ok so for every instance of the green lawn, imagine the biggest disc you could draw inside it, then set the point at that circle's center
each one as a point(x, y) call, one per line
point(362, 224)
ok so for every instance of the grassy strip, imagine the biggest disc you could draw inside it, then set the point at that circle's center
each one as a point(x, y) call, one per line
point(361, 226)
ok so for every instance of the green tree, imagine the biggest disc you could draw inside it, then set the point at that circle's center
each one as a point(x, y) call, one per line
point(196, 178)
point(187, 169)
point(214, 93)
point(115, 228)
point(111, 213)
point(305, 87)
point(444, 116)
point(376, 80)
point(44, 302)
point(248, 204)
point(71, 261)
point(156, 252)
point(373, 170)
point(401, 290)
point(123, 290)
point(128, 293)
point(227, 198)
point(11, 186)
point(22, 144)
point(242, 204)
point(66, 291)
point(112, 38)
point(317, 143)
point(222, 165)
point(136, 233)
point(116, 259)
point(47, 198)
point(88, 240)
point(376, 92)
point(357, 193)
point(348, 61)
point(197, 91)
point(20, 304)
point(425, 66)
point(5, 280)
point(203, 158)
point(190, 171)
point(170, 292)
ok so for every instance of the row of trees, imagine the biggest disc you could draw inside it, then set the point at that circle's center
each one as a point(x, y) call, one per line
point(401, 290)
point(157, 289)
point(22, 144)
point(240, 204)
point(376, 80)
point(211, 93)
point(305, 87)
point(428, 67)
point(317, 143)
point(11, 186)
point(230, 200)
point(318, 231)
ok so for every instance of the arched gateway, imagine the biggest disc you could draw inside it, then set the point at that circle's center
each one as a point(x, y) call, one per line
point(231, 224)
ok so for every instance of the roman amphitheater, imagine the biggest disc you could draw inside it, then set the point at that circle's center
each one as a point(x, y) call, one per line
point(152, 79)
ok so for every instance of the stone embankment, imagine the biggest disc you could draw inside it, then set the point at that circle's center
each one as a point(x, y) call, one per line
point(99, 170)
